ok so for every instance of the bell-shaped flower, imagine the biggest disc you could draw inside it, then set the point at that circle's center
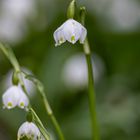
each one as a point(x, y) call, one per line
point(23, 100)
point(29, 130)
point(14, 96)
point(72, 31)
point(11, 97)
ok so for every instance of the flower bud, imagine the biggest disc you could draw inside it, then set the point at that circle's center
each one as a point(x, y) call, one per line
point(29, 130)
point(71, 9)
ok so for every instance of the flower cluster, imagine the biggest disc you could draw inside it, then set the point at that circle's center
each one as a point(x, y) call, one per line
point(14, 96)
point(72, 31)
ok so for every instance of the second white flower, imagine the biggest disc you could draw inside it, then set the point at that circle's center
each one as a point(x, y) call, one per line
point(14, 96)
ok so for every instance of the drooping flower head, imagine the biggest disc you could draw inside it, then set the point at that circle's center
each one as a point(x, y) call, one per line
point(29, 130)
point(72, 31)
point(14, 96)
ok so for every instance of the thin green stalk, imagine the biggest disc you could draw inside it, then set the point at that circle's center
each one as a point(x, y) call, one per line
point(39, 124)
point(11, 57)
point(91, 90)
point(51, 115)
point(91, 94)
point(53, 119)
point(13, 60)
point(47, 105)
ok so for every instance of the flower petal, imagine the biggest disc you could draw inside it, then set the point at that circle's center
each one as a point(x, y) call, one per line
point(59, 36)
point(10, 97)
point(23, 100)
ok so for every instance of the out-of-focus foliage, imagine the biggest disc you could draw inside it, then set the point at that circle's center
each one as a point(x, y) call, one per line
point(114, 35)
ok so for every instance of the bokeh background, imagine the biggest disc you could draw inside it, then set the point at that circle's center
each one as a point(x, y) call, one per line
point(114, 35)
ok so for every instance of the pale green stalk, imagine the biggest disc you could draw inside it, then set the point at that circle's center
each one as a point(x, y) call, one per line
point(39, 124)
point(49, 111)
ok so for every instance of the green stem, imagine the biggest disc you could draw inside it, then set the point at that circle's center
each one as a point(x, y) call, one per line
point(11, 57)
point(92, 98)
point(39, 124)
point(51, 115)
point(49, 111)
point(91, 92)
point(13, 60)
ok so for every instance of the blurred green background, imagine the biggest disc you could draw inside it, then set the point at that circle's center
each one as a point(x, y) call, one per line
point(114, 35)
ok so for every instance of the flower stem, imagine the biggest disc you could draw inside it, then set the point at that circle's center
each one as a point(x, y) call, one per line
point(91, 93)
point(49, 111)
point(8, 52)
point(39, 124)
point(11, 57)
point(53, 119)
point(91, 90)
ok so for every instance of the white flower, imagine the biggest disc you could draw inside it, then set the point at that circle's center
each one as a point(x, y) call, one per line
point(71, 31)
point(13, 97)
point(29, 130)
